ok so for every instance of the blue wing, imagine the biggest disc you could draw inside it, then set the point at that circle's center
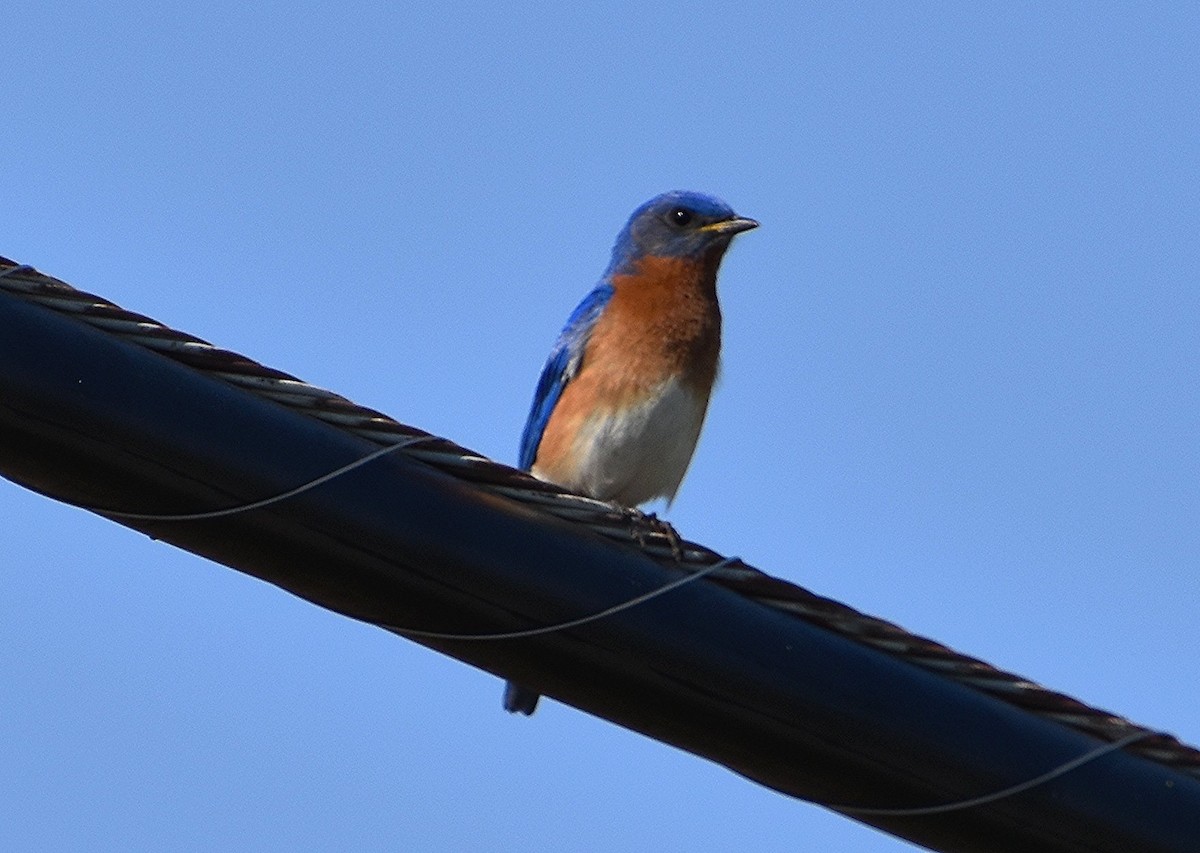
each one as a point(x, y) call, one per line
point(561, 367)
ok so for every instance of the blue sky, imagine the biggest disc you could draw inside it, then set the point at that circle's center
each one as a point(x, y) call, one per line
point(959, 389)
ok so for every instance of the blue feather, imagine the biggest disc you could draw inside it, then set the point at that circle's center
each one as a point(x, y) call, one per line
point(561, 367)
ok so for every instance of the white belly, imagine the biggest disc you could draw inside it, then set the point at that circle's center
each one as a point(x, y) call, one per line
point(641, 453)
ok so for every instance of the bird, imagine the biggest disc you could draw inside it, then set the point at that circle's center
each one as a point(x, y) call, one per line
point(620, 402)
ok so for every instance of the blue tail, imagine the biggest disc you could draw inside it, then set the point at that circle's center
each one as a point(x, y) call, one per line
point(519, 700)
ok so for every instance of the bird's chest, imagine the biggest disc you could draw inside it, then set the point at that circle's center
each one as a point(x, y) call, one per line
point(636, 452)
point(662, 325)
point(627, 423)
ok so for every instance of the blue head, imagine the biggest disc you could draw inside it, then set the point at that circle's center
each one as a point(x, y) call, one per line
point(678, 224)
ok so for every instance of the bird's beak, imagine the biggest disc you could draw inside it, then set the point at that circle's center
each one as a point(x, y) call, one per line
point(730, 226)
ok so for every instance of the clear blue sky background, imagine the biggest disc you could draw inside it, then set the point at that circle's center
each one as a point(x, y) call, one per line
point(960, 381)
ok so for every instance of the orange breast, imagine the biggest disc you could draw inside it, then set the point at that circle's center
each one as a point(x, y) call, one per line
point(663, 321)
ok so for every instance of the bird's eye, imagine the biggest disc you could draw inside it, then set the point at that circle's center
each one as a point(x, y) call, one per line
point(680, 217)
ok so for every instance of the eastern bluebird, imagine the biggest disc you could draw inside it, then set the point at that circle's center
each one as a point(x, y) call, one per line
point(621, 400)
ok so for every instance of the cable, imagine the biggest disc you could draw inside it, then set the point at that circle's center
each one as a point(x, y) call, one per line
point(18, 268)
point(27, 283)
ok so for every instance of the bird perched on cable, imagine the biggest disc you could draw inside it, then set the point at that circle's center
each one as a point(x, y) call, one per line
point(619, 405)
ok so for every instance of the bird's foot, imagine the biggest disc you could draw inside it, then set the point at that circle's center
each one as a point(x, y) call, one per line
point(639, 521)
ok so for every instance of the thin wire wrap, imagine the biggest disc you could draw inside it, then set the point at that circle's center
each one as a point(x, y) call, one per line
point(1004, 793)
